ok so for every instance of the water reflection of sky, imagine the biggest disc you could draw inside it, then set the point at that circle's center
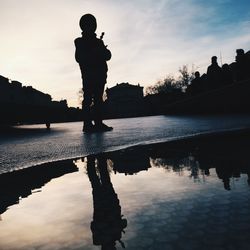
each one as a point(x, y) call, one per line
point(166, 207)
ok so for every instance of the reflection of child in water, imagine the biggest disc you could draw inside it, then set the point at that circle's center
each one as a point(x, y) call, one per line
point(92, 54)
point(107, 225)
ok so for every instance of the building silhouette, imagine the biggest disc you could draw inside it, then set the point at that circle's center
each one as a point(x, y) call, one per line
point(25, 104)
point(220, 90)
point(14, 92)
point(124, 100)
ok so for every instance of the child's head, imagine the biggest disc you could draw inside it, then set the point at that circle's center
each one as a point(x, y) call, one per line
point(88, 23)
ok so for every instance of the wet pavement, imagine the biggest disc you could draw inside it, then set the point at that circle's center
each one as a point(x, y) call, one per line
point(26, 146)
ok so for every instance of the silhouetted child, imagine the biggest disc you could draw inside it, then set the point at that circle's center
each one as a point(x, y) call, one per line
point(92, 54)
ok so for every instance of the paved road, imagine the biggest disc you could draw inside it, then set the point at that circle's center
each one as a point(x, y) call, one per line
point(30, 145)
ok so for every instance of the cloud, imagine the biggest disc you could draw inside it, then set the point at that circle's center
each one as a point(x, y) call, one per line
point(148, 39)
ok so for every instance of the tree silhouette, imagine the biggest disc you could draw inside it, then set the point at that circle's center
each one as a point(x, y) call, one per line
point(167, 85)
point(186, 76)
point(171, 85)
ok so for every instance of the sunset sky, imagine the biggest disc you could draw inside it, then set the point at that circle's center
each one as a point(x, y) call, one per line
point(148, 39)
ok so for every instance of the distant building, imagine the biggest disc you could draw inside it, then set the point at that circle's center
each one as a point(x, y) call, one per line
point(36, 97)
point(25, 104)
point(124, 100)
point(13, 92)
point(124, 92)
point(4, 89)
point(60, 104)
point(16, 95)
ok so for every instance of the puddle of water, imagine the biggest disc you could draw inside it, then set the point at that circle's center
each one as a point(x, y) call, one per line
point(141, 199)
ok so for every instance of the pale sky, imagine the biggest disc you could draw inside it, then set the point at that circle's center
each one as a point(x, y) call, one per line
point(148, 39)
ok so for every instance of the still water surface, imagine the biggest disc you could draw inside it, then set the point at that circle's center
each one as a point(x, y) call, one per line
point(160, 199)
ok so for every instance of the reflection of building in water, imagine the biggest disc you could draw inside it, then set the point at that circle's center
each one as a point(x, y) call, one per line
point(107, 225)
point(124, 100)
point(19, 184)
point(129, 162)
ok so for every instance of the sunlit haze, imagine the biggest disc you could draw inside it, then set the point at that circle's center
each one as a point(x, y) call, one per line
point(148, 39)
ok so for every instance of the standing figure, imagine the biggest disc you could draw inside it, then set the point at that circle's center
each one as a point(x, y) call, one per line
point(214, 74)
point(92, 54)
point(196, 84)
point(242, 67)
point(227, 75)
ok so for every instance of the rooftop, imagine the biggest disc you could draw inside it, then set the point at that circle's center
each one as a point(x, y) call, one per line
point(125, 85)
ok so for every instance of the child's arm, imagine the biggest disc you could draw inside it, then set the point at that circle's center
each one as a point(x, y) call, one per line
point(78, 51)
point(105, 52)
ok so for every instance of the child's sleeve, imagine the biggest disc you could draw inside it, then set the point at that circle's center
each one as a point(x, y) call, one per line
point(106, 52)
point(78, 50)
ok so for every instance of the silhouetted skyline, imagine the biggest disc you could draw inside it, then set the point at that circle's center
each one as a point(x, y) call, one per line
point(148, 39)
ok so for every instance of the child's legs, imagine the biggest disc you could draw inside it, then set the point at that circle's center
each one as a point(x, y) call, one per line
point(86, 103)
point(98, 101)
